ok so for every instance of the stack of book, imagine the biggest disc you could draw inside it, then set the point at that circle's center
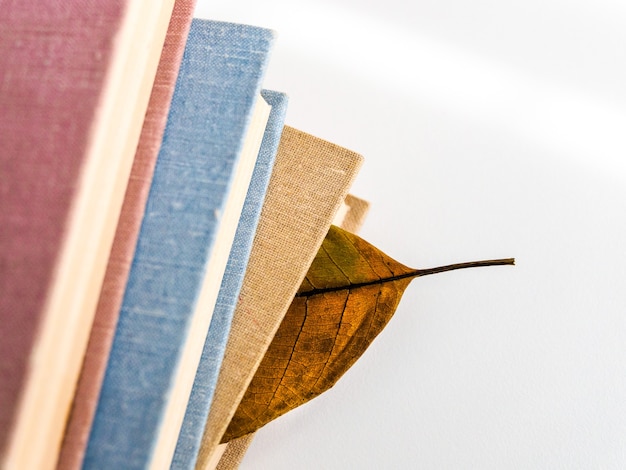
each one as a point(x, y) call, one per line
point(157, 217)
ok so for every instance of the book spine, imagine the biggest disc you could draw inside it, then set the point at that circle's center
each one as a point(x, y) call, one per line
point(310, 180)
point(217, 86)
point(81, 60)
point(213, 352)
point(46, 121)
point(120, 259)
point(350, 217)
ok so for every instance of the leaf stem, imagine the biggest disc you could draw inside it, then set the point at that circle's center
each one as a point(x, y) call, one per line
point(411, 274)
point(470, 264)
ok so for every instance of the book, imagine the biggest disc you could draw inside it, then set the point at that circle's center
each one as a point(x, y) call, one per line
point(232, 454)
point(215, 343)
point(350, 216)
point(310, 180)
point(352, 213)
point(123, 248)
point(212, 137)
point(76, 79)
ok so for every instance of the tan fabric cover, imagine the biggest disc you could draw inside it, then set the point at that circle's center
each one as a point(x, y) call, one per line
point(310, 180)
point(234, 452)
point(355, 215)
point(352, 217)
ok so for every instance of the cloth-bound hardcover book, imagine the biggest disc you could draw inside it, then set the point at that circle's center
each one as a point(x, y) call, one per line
point(350, 216)
point(105, 319)
point(211, 141)
point(76, 78)
point(311, 178)
point(213, 352)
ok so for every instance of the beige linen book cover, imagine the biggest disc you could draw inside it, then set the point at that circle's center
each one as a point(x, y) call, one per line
point(350, 216)
point(311, 178)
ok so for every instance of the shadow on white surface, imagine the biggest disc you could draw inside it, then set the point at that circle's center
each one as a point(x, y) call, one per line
point(490, 129)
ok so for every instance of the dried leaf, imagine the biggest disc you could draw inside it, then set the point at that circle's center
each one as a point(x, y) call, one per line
point(349, 294)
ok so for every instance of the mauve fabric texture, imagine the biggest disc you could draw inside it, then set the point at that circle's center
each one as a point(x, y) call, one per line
point(105, 319)
point(219, 80)
point(206, 377)
point(310, 180)
point(53, 63)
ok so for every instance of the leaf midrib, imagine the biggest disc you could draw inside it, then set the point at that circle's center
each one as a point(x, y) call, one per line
point(411, 274)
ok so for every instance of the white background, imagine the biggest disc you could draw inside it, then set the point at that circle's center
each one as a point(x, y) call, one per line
point(490, 128)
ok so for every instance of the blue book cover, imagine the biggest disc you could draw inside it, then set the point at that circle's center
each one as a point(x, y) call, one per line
point(212, 111)
point(199, 404)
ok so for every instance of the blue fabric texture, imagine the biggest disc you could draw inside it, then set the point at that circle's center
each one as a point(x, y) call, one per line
point(190, 436)
point(218, 83)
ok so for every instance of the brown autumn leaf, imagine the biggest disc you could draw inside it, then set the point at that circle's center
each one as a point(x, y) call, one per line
point(349, 294)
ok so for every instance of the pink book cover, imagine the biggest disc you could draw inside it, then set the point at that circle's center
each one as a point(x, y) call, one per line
point(53, 63)
point(92, 374)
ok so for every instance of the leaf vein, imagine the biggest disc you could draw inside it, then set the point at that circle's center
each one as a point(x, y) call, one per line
point(343, 311)
point(358, 285)
point(293, 350)
point(335, 263)
point(358, 250)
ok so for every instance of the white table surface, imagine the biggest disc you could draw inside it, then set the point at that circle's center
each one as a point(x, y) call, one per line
point(490, 129)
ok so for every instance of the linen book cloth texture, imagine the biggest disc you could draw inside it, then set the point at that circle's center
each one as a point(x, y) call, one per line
point(213, 352)
point(211, 111)
point(310, 180)
point(60, 67)
point(354, 217)
point(120, 259)
point(351, 217)
point(234, 453)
